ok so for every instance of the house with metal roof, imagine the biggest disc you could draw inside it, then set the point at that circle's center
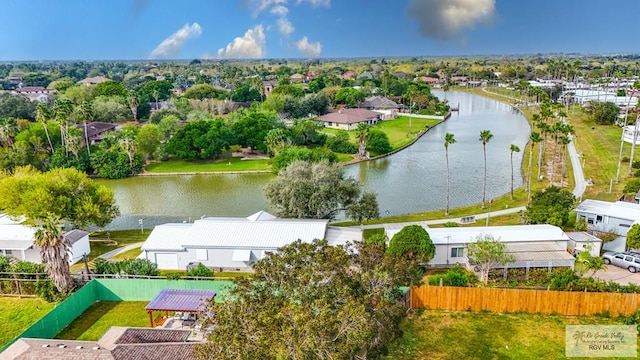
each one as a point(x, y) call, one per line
point(234, 243)
point(609, 217)
point(533, 246)
point(17, 241)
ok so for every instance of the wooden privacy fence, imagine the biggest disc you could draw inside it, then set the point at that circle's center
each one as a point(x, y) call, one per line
point(518, 300)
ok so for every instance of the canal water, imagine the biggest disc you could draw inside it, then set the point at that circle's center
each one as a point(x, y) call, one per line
point(412, 180)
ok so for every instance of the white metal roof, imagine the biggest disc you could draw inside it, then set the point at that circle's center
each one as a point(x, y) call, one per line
point(337, 236)
point(513, 233)
point(618, 209)
point(15, 244)
point(6, 220)
point(546, 251)
point(582, 236)
point(16, 232)
point(260, 230)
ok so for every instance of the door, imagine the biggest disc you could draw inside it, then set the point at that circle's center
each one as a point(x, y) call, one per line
point(618, 260)
point(167, 261)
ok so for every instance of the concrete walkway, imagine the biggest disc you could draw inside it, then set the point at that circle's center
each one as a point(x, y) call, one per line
point(578, 191)
point(120, 250)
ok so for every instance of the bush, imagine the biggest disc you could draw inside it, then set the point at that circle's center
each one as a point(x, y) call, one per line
point(451, 224)
point(456, 276)
point(201, 271)
point(632, 186)
point(378, 142)
point(340, 143)
point(414, 243)
point(142, 267)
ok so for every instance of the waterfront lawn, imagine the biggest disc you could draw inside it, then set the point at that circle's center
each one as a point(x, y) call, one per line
point(97, 319)
point(397, 130)
point(102, 242)
point(436, 334)
point(130, 254)
point(230, 164)
point(18, 314)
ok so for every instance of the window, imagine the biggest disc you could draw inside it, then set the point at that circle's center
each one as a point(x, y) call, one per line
point(590, 221)
point(8, 252)
point(457, 252)
point(625, 225)
point(619, 256)
point(628, 258)
point(201, 254)
point(599, 218)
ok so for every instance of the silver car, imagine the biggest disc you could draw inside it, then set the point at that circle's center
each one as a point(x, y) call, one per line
point(626, 260)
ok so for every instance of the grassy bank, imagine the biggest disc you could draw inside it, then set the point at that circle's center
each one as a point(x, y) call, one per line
point(230, 164)
point(434, 334)
point(18, 314)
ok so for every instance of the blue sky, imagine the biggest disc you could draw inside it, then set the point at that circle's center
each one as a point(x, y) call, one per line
point(186, 29)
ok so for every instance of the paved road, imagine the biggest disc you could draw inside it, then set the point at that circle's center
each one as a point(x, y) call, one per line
point(578, 191)
point(114, 252)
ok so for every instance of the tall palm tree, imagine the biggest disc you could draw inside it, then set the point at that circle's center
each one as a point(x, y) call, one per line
point(448, 140)
point(544, 130)
point(8, 130)
point(565, 140)
point(485, 137)
point(42, 115)
point(535, 138)
point(513, 148)
point(54, 250)
point(362, 134)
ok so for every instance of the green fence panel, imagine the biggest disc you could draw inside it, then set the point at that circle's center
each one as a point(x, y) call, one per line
point(147, 289)
point(62, 315)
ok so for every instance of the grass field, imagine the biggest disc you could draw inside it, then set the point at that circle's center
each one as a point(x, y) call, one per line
point(130, 254)
point(221, 165)
point(105, 241)
point(18, 314)
point(435, 334)
point(94, 322)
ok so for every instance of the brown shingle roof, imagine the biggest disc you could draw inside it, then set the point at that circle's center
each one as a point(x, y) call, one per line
point(167, 351)
point(349, 116)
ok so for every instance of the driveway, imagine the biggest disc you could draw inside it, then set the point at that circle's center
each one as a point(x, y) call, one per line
point(619, 275)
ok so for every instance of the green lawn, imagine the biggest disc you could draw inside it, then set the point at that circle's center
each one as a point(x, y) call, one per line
point(94, 322)
point(435, 334)
point(221, 165)
point(18, 314)
point(105, 241)
point(130, 254)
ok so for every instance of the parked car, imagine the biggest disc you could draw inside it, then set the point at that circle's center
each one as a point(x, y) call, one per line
point(627, 260)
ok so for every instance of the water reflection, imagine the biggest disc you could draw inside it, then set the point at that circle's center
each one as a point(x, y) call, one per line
point(412, 180)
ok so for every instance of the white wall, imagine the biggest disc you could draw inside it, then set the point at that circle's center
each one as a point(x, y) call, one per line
point(78, 249)
point(215, 258)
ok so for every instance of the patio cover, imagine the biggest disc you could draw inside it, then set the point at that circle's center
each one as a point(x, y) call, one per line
point(182, 300)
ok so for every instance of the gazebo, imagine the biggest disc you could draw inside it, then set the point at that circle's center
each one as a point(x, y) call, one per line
point(181, 300)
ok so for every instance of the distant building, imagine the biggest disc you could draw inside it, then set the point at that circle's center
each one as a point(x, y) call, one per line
point(34, 93)
point(297, 78)
point(95, 131)
point(366, 76)
point(269, 86)
point(609, 217)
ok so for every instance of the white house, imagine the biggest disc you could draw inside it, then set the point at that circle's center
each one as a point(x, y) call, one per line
point(533, 246)
point(17, 240)
point(609, 217)
point(234, 243)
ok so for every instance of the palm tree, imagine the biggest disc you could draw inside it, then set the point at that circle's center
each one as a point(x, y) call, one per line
point(42, 115)
point(485, 137)
point(564, 140)
point(362, 134)
point(544, 130)
point(133, 103)
point(514, 148)
point(448, 140)
point(535, 138)
point(8, 130)
point(54, 250)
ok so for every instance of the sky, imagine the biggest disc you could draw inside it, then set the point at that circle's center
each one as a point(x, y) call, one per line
point(233, 29)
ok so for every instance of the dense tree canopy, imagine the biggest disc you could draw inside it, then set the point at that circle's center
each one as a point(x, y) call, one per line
point(413, 243)
point(603, 112)
point(550, 206)
point(311, 301)
point(201, 139)
point(251, 129)
point(51, 200)
point(16, 106)
point(316, 191)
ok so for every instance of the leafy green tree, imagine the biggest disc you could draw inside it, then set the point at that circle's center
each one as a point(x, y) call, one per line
point(485, 137)
point(203, 91)
point(251, 129)
point(148, 140)
point(448, 140)
point(307, 132)
point(294, 153)
point(365, 209)
point(155, 90)
point(413, 243)
point(111, 88)
point(51, 200)
point(110, 109)
point(315, 191)
point(588, 262)
point(632, 186)
point(350, 308)
point(292, 90)
point(378, 142)
point(200, 139)
point(550, 206)
point(61, 84)
point(456, 276)
point(633, 237)
point(276, 141)
point(487, 253)
point(42, 80)
point(80, 94)
point(246, 93)
point(168, 126)
point(349, 97)
point(603, 113)
point(16, 106)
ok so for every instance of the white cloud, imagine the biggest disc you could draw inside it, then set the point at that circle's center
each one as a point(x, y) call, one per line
point(262, 5)
point(444, 20)
point(310, 49)
point(250, 45)
point(317, 3)
point(173, 44)
point(280, 10)
point(285, 26)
